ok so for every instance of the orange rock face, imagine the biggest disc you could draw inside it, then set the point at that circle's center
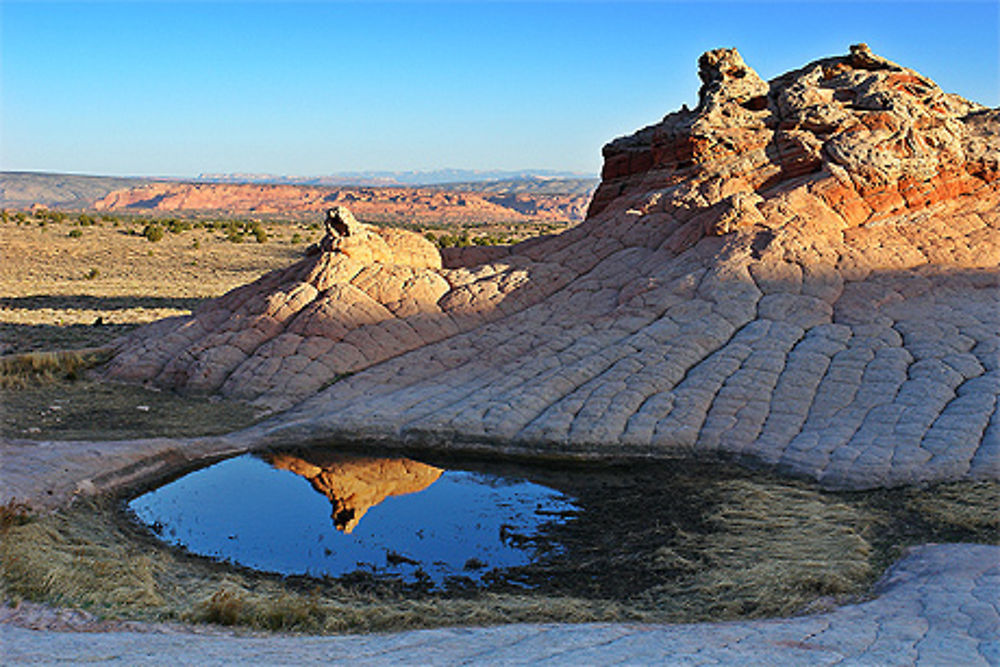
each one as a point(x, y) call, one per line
point(801, 272)
point(369, 202)
point(355, 485)
point(879, 139)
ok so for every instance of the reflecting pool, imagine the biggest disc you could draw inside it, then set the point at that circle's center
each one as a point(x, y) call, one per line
point(677, 539)
point(320, 513)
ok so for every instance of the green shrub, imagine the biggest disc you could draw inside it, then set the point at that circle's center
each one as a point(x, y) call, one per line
point(75, 233)
point(93, 273)
point(458, 241)
point(175, 226)
point(153, 233)
point(296, 238)
point(259, 233)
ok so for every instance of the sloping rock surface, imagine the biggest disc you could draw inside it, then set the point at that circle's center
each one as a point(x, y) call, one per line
point(801, 272)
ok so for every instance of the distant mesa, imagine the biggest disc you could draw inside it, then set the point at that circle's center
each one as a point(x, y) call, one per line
point(354, 485)
point(511, 197)
point(800, 273)
point(436, 177)
point(437, 203)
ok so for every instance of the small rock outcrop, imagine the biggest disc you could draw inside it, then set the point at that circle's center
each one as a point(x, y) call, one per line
point(355, 485)
point(365, 294)
point(800, 272)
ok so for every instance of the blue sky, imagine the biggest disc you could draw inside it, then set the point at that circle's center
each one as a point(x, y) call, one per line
point(179, 88)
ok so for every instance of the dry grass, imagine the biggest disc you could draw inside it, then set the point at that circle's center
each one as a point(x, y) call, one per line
point(752, 547)
point(776, 549)
point(86, 565)
point(84, 557)
point(712, 544)
point(33, 368)
point(973, 507)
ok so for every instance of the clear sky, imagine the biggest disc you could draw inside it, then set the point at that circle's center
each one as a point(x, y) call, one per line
point(179, 88)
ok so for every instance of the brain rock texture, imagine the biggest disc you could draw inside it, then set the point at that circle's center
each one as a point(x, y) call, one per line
point(801, 273)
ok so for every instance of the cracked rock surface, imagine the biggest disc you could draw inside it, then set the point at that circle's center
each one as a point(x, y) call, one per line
point(801, 272)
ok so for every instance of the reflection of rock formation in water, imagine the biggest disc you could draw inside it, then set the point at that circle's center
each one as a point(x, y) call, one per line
point(354, 485)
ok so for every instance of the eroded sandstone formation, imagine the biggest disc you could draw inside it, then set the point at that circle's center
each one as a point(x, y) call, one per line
point(355, 485)
point(801, 272)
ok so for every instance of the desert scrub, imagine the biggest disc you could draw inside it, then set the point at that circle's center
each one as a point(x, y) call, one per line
point(175, 226)
point(34, 368)
point(153, 233)
point(237, 231)
point(259, 234)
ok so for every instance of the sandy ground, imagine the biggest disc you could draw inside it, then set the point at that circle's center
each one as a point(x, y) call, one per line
point(54, 287)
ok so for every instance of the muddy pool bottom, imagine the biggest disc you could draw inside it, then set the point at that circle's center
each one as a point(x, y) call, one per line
point(657, 535)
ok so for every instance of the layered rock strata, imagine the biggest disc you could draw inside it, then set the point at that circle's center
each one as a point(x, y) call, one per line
point(801, 272)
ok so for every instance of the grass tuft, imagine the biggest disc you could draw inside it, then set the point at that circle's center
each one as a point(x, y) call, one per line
point(85, 564)
point(974, 507)
point(35, 368)
point(14, 513)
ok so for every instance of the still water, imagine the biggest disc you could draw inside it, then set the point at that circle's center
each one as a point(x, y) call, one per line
point(327, 514)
